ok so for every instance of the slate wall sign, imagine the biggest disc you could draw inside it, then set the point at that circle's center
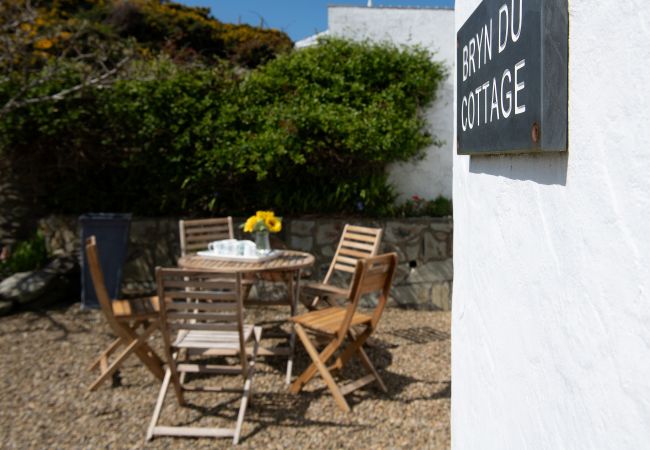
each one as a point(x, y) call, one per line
point(512, 79)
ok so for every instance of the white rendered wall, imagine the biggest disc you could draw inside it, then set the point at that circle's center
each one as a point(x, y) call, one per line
point(551, 304)
point(433, 29)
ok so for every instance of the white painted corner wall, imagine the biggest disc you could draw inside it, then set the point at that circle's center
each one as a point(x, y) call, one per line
point(432, 29)
point(551, 304)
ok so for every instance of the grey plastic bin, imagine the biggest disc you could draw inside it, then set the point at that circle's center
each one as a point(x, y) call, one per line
point(112, 234)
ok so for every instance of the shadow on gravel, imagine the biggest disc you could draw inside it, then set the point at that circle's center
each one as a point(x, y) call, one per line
point(34, 322)
point(377, 350)
point(267, 409)
point(226, 409)
point(421, 335)
point(272, 328)
point(443, 392)
point(288, 410)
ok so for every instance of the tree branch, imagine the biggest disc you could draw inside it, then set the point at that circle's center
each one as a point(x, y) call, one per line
point(14, 103)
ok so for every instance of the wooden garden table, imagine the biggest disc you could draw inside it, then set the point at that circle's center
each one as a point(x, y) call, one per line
point(286, 267)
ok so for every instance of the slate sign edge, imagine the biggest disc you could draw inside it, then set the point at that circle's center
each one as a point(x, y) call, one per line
point(552, 131)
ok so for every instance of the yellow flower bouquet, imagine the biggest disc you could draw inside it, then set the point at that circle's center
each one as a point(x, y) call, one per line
point(261, 224)
point(263, 221)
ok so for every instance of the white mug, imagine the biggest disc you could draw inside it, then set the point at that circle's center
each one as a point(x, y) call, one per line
point(215, 247)
point(247, 249)
point(226, 247)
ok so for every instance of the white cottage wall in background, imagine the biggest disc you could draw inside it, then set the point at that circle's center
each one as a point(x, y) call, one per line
point(432, 29)
point(550, 325)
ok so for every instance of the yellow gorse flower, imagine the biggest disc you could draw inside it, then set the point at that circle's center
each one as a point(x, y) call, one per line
point(43, 44)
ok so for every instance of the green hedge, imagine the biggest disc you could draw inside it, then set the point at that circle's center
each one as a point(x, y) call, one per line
point(309, 132)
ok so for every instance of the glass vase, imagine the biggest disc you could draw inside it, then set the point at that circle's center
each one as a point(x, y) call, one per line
point(262, 243)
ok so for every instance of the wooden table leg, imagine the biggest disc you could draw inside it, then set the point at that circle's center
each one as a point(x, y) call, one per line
point(294, 293)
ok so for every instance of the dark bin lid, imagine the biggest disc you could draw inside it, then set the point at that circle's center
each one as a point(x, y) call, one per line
point(104, 216)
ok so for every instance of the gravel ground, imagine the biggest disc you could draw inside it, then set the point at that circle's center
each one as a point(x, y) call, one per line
point(44, 402)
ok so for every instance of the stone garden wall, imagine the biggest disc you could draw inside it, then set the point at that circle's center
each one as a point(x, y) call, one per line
point(424, 245)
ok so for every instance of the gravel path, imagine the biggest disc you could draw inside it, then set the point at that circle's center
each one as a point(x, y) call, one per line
point(44, 402)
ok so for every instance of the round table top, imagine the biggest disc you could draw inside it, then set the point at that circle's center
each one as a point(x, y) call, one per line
point(287, 260)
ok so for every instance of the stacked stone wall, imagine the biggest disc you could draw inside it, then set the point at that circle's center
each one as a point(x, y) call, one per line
point(424, 246)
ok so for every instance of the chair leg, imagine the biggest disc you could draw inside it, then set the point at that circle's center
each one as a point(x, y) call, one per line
point(133, 346)
point(294, 291)
point(114, 366)
point(176, 380)
point(146, 354)
point(312, 370)
point(355, 343)
point(105, 354)
point(313, 304)
point(368, 365)
point(159, 404)
point(151, 360)
point(182, 354)
point(247, 389)
point(257, 334)
point(155, 430)
point(356, 347)
point(327, 377)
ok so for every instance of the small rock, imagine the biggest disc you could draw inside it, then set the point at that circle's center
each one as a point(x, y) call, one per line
point(44, 286)
point(23, 287)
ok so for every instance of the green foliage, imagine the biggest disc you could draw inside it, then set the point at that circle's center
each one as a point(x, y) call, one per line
point(309, 132)
point(419, 207)
point(317, 128)
point(127, 148)
point(26, 255)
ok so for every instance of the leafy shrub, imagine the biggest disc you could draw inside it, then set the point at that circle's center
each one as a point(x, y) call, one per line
point(419, 207)
point(127, 148)
point(26, 255)
point(318, 127)
point(309, 132)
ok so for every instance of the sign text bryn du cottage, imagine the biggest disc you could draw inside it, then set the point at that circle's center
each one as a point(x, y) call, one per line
point(511, 78)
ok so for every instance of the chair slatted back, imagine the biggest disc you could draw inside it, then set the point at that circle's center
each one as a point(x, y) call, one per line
point(197, 234)
point(371, 275)
point(97, 275)
point(356, 243)
point(201, 302)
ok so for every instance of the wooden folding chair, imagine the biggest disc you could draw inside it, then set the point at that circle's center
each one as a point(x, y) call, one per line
point(335, 324)
point(197, 234)
point(356, 242)
point(202, 316)
point(124, 317)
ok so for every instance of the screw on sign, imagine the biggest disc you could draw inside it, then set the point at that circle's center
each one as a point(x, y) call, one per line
point(534, 132)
